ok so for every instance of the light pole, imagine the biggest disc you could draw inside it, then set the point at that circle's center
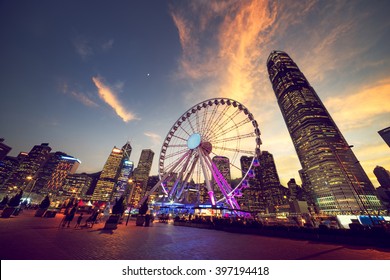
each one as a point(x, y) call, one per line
point(130, 182)
point(30, 186)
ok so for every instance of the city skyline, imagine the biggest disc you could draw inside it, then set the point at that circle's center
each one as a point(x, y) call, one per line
point(85, 77)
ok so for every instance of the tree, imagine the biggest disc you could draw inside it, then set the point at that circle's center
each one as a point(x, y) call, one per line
point(45, 203)
point(15, 200)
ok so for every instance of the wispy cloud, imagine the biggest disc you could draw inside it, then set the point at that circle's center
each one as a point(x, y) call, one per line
point(156, 139)
point(360, 109)
point(84, 99)
point(108, 45)
point(109, 95)
point(87, 48)
point(83, 47)
point(81, 97)
point(230, 56)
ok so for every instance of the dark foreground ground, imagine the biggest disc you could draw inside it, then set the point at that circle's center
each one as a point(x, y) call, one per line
point(26, 237)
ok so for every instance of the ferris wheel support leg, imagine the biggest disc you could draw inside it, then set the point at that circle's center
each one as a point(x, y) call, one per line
point(206, 176)
point(162, 180)
point(212, 199)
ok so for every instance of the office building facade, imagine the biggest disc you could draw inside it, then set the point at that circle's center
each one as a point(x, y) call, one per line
point(109, 176)
point(29, 167)
point(337, 182)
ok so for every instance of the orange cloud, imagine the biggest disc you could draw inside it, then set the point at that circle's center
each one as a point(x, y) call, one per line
point(360, 109)
point(230, 56)
point(108, 95)
point(155, 137)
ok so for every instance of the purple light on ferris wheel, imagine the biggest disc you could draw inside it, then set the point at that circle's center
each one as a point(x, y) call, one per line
point(211, 195)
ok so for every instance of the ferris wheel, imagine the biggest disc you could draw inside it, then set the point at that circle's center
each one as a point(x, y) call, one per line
point(209, 151)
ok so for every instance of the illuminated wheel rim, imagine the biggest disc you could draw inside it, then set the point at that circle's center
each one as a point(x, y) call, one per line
point(202, 151)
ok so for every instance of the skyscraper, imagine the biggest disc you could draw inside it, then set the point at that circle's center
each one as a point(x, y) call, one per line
point(253, 197)
point(4, 149)
point(385, 134)
point(336, 179)
point(140, 177)
point(125, 173)
point(383, 176)
point(265, 192)
point(29, 166)
point(51, 176)
point(77, 185)
point(109, 176)
point(272, 190)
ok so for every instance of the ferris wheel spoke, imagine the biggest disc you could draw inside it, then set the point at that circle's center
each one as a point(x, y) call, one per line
point(185, 131)
point(231, 128)
point(234, 150)
point(186, 175)
point(175, 154)
point(211, 120)
point(173, 165)
point(197, 120)
point(178, 146)
point(178, 137)
point(193, 165)
point(218, 120)
point(190, 123)
point(235, 138)
point(221, 127)
point(204, 121)
point(182, 169)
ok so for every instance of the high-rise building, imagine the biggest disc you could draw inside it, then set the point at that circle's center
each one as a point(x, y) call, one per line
point(29, 166)
point(77, 185)
point(385, 134)
point(383, 176)
point(253, 196)
point(125, 173)
point(7, 167)
point(4, 149)
point(109, 176)
point(140, 177)
point(338, 183)
point(51, 176)
point(273, 192)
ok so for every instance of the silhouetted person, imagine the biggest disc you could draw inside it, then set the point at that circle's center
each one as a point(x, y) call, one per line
point(69, 217)
point(79, 218)
point(147, 220)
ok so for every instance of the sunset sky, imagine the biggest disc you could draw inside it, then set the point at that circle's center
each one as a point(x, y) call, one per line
point(85, 76)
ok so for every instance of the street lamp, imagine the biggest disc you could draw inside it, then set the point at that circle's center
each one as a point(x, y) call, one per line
point(30, 185)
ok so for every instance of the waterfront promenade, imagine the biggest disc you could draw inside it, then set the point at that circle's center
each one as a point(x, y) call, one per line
point(26, 237)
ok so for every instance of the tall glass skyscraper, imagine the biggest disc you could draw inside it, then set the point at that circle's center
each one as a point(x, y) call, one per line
point(140, 176)
point(337, 182)
point(109, 176)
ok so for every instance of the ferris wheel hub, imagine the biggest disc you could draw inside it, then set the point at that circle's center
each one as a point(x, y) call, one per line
point(207, 147)
point(194, 141)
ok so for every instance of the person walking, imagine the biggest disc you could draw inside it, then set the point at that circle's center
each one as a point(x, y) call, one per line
point(78, 222)
point(69, 217)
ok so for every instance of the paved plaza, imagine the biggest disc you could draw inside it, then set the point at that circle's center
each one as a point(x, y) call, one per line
point(26, 237)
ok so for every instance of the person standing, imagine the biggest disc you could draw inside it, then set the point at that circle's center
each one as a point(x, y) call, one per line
point(79, 218)
point(69, 217)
